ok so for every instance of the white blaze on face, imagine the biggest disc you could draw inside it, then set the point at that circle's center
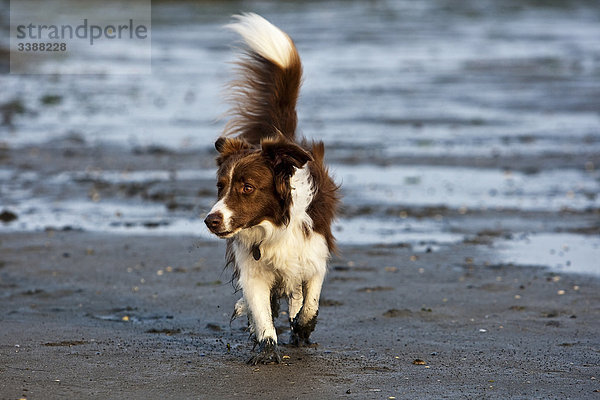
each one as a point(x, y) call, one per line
point(222, 208)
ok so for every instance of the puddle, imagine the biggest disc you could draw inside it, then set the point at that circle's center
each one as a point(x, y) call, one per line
point(121, 177)
point(37, 214)
point(421, 235)
point(460, 187)
point(558, 251)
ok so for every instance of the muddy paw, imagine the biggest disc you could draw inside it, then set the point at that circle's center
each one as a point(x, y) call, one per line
point(297, 341)
point(301, 332)
point(267, 353)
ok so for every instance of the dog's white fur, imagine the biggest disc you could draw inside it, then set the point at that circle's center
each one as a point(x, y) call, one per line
point(221, 207)
point(289, 257)
point(264, 38)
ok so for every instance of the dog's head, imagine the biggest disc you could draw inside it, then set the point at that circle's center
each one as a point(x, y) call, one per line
point(253, 184)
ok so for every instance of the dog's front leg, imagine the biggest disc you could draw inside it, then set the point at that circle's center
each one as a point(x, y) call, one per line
point(257, 292)
point(306, 319)
point(295, 300)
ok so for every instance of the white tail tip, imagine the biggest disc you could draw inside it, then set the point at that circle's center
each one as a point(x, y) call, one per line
point(264, 38)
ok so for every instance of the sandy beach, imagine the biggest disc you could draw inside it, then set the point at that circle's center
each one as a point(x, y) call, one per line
point(107, 316)
point(114, 313)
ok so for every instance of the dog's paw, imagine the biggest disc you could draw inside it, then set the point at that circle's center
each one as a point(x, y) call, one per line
point(297, 341)
point(268, 353)
point(300, 335)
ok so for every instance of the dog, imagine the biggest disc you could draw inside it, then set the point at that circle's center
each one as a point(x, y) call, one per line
point(276, 199)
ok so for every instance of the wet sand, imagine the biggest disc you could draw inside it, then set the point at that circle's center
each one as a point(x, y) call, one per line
point(87, 315)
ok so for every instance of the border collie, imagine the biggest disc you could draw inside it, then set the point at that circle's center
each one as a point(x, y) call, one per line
point(276, 200)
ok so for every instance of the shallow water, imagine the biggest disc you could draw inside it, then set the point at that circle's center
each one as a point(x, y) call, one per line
point(559, 251)
point(470, 188)
point(459, 107)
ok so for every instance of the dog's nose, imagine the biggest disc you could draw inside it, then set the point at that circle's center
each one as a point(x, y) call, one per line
point(213, 221)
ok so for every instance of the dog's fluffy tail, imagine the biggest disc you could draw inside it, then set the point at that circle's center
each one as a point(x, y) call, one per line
point(265, 92)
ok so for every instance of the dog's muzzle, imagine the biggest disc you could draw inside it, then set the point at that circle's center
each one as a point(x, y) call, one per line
point(214, 222)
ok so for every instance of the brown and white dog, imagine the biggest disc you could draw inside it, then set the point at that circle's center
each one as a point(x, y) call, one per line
point(276, 200)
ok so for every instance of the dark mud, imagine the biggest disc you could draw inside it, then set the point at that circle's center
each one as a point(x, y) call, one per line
point(126, 316)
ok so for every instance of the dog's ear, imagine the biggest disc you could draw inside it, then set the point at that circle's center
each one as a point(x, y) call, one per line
point(284, 157)
point(228, 146)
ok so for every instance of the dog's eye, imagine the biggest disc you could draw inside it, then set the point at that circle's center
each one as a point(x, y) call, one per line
point(220, 186)
point(247, 189)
